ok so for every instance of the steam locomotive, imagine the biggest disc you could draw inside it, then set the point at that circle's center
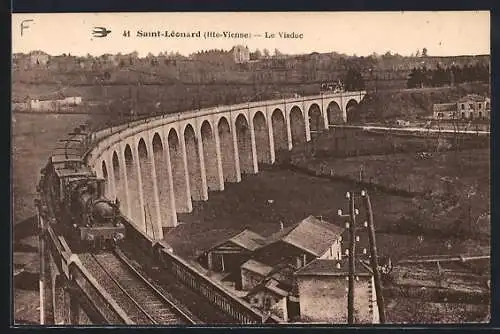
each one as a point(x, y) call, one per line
point(75, 195)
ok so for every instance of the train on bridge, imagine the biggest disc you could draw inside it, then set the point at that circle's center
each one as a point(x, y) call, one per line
point(76, 195)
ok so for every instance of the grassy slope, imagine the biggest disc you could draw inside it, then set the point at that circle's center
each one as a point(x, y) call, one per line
point(411, 103)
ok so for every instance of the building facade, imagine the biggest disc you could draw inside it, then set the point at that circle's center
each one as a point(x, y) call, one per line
point(270, 296)
point(470, 107)
point(241, 54)
point(54, 105)
point(474, 107)
point(323, 289)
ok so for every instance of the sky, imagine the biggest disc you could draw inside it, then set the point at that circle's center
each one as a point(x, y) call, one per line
point(362, 33)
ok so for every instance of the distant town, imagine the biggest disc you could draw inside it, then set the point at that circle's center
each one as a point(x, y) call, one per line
point(254, 75)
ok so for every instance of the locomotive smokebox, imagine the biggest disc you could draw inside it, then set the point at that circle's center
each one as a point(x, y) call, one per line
point(102, 211)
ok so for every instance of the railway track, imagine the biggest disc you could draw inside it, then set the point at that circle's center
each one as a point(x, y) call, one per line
point(143, 302)
point(205, 311)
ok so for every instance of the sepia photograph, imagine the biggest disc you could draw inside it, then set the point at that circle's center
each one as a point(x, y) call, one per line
point(251, 168)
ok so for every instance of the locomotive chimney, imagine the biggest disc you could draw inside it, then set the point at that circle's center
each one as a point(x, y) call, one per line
point(100, 187)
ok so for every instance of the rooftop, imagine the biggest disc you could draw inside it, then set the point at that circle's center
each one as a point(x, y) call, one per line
point(444, 107)
point(248, 239)
point(473, 97)
point(257, 267)
point(245, 239)
point(320, 267)
point(269, 284)
point(311, 235)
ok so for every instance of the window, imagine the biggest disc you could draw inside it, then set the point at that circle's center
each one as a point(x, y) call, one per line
point(480, 115)
point(471, 106)
point(487, 105)
point(471, 115)
point(463, 106)
point(479, 105)
point(463, 115)
point(440, 115)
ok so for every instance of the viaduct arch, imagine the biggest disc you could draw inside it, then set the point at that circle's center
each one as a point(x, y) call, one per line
point(157, 167)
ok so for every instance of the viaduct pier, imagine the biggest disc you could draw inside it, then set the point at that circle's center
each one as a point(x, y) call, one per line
point(158, 166)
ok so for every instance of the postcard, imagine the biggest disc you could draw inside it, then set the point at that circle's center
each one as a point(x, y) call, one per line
point(239, 168)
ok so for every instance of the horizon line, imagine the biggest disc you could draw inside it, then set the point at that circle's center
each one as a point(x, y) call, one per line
point(393, 54)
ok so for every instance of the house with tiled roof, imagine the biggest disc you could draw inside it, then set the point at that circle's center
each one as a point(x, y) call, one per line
point(323, 286)
point(269, 274)
point(301, 243)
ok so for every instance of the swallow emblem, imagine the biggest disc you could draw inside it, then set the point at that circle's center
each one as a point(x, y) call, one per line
point(100, 32)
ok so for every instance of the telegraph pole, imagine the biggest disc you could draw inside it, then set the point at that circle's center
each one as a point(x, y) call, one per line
point(374, 257)
point(352, 263)
point(351, 225)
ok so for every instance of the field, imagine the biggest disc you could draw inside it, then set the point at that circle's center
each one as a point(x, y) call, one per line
point(441, 174)
point(407, 311)
point(449, 189)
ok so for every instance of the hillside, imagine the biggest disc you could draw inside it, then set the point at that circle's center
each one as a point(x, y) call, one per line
point(386, 71)
point(122, 85)
point(412, 103)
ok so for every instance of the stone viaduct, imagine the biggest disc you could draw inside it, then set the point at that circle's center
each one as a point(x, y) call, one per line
point(157, 167)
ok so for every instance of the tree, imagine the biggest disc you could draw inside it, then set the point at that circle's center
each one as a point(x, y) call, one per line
point(277, 53)
point(424, 52)
point(439, 77)
point(353, 80)
point(266, 53)
point(417, 54)
point(256, 55)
